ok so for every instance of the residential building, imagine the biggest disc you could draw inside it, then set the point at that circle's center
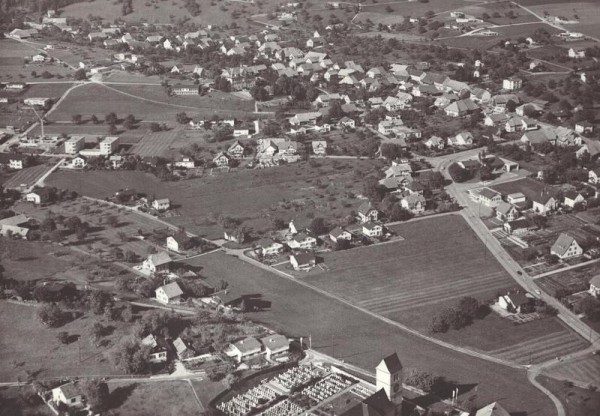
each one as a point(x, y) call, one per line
point(514, 302)
point(372, 229)
point(492, 409)
point(275, 344)
point(488, 197)
point(185, 89)
point(565, 247)
point(79, 162)
point(319, 147)
point(14, 161)
point(185, 162)
point(506, 212)
point(544, 203)
point(162, 204)
point(268, 247)
point(576, 53)
point(169, 294)
point(178, 242)
point(572, 198)
point(74, 144)
point(222, 160)
point(157, 348)
point(461, 108)
point(236, 150)
point(366, 213)
point(109, 145)
point(414, 203)
point(157, 263)
point(68, 394)
point(595, 286)
point(594, 176)
point(512, 84)
point(435, 143)
point(303, 261)
point(339, 234)
point(243, 349)
point(15, 226)
point(302, 241)
point(36, 101)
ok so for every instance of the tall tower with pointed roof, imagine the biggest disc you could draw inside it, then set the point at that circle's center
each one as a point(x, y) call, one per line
point(389, 378)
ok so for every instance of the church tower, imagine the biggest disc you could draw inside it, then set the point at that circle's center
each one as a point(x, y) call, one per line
point(389, 378)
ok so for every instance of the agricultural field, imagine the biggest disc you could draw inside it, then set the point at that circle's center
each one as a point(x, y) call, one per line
point(49, 90)
point(521, 16)
point(585, 370)
point(145, 398)
point(360, 339)
point(13, 66)
point(27, 176)
point(100, 100)
point(417, 9)
point(301, 190)
point(20, 353)
point(586, 13)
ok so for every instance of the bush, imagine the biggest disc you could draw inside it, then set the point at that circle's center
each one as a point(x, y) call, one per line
point(51, 315)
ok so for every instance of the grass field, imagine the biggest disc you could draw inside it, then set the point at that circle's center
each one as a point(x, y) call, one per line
point(576, 401)
point(29, 260)
point(34, 347)
point(27, 176)
point(50, 90)
point(347, 333)
point(100, 100)
point(255, 196)
point(173, 398)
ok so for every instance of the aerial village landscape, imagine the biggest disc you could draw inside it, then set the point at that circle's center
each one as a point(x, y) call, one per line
point(310, 207)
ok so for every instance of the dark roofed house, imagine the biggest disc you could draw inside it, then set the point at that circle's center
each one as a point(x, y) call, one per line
point(377, 404)
point(514, 302)
point(566, 246)
point(303, 261)
point(156, 263)
point(170, 293)
point(367, 213)
point(68, 394)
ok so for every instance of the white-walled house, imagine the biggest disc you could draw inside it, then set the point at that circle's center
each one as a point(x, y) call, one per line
point(168, 294)
point(566, 247)
point(68, 394)
point(245, 348)
point(372, 229)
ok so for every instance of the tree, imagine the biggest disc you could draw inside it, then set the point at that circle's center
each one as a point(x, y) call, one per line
point(129, 122)
point(391, 151)
point(457, 319)
point(318, 226)
point(48, 225)
point(458, 173)
point(76, 118)
point(259, 93)
point(63, 337)
point(111, 118)
point(130, 357)
point(96, 332)
point(127, 313)
point(96, 393)
point(469, 306)
point(223, 134)
point(94, 119)
point(51, 315)
point(421, 379)
point(112, 220)
point(80, 74)
point(182, 118)
point(439, 324)
point(98, 300)
point(154, 127)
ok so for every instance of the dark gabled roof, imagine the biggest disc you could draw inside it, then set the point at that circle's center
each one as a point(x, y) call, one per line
point(377, 404)
point(304, 258)
point(392, 363)
point(562, 244)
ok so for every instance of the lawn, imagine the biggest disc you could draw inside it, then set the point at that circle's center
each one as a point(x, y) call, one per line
point(588, 14)
point(22, 401)
point(27, 176)
point(340, 330)
point(101, 100)
point(33, 347)
point(576, 401)
point(300, 190)
point(164, 398)
point(586, 370)
point(50, 90)
point(30, 260)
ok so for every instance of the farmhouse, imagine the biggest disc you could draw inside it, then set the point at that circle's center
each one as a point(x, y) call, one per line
point(161, 204)
point(245, 348)
point(68, 394)
point(275, 344)
point(372, 229)
point(168, 294)
point(236, 150)
point(157, 263)
point(303, 261)
point(566, 247)
point(222, 159)
point(506, 212)
point(514, 302)
point(182, 350)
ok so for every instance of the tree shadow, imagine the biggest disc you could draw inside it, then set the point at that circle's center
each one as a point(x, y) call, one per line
point(119, 396)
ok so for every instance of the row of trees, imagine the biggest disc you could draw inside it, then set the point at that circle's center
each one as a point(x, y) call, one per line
point(467, 310)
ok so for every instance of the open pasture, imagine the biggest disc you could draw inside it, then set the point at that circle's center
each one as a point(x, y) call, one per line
point(33, 346)
point(30, 260)
point(360, 339)
point(587, 14)
point(100, 100)
point(415, 8)
point(410, 280)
